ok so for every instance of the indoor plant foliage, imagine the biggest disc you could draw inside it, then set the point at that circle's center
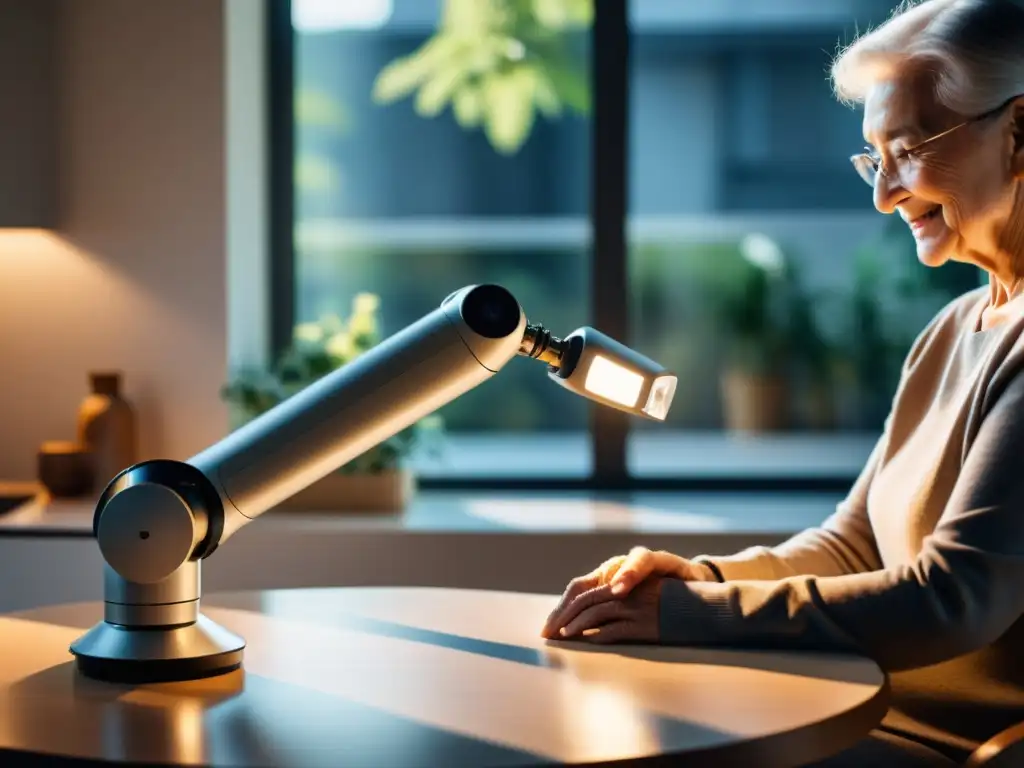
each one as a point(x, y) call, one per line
point(317, 349)
point(755, 301)
point(498, 64)
point(892, 297)
point(748, 289)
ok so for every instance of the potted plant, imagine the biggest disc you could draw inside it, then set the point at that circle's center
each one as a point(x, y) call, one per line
point(378, 480)
point(891, 298)
point(748, 289)
point(815, 354)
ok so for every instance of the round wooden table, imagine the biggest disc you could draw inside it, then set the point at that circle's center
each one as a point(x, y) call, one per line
point(401, 678)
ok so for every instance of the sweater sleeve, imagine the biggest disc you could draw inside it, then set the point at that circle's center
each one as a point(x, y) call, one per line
point(843, 544)
point(961, 592)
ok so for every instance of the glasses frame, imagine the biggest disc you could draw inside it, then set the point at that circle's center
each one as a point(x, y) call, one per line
point(869, 165)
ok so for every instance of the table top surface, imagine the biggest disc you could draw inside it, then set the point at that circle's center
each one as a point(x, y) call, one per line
point(427, 677)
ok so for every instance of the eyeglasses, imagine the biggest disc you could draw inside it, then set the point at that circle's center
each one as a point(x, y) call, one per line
point(869, 164)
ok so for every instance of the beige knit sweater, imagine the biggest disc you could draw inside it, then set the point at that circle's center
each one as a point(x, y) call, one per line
point(921, 568)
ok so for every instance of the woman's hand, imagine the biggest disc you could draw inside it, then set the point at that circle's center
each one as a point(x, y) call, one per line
point(616, 578)
point(632, 619)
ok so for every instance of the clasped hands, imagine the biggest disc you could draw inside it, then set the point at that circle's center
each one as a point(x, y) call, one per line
point(618, 602)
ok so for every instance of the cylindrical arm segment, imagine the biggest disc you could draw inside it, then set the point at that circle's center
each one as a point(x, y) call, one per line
point(358, 406)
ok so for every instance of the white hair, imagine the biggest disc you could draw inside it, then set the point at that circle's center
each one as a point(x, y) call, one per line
point(972, 49)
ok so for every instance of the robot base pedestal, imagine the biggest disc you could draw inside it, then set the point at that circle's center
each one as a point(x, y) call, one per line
point(117, 654)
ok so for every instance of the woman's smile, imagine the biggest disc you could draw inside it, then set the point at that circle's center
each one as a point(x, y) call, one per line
point(930, 222)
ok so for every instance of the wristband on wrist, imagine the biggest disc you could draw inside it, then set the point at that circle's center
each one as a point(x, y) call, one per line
point(713, 568)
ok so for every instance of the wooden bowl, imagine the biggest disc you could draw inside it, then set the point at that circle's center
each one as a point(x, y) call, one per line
point(64, 469)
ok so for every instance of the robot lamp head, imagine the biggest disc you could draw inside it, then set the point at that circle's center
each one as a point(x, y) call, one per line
point(659, 399)
point(601, 369)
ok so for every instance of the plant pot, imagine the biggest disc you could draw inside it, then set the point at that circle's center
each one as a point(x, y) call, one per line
point(390, 491)
point(820, 408)
point(754, 402)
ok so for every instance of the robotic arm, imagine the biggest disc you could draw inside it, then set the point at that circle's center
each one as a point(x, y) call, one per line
point(156, 521)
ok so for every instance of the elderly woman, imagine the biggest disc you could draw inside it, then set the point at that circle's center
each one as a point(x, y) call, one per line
point(921, 567)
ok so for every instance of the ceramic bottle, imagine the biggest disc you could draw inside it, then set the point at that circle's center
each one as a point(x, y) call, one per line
point(107, 428)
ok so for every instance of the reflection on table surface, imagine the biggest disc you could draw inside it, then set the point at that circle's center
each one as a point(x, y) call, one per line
point(412, 677)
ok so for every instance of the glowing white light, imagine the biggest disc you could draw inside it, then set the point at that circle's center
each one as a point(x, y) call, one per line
point(659, 400)
point(328, 15)
point(611, 381)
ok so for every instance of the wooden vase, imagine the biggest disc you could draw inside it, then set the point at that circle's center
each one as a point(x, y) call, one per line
point(390, 491)
point(107, 428)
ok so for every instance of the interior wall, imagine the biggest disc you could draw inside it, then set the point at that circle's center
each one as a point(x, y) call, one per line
point(27, 122)
point(134, 278)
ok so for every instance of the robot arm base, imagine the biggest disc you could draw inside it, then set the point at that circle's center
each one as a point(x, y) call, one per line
point(140, 656)
point(154, 633)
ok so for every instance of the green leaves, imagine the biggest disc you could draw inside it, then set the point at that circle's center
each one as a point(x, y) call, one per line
point(569, 84)
point(497, 64)
point(565, 14)
point(757, 299)
point(468, 106)
point(509, 108)
point(318, 349)
point(403, 76)
point(322, 112)
point(315, 173)
point(317, 109)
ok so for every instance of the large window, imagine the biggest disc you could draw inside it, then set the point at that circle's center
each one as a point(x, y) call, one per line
point(673, 172)
point(423, 162)
point(759, 269)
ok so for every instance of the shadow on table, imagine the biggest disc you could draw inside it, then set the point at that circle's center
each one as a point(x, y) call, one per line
point(809, 663)
point(812, 664)
point(233, 719)
point(249, 720)
point(799, 663)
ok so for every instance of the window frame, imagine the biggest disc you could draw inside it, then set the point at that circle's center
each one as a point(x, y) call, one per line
point(281, 170)
point(609, 430)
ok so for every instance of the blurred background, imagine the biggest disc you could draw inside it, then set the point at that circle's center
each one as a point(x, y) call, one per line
point(430, 153)
point(207, 204)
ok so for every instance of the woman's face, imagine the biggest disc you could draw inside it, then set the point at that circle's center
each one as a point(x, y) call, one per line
point(957, 193)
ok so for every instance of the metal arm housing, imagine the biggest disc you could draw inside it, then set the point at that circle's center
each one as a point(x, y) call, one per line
point(156, 521)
